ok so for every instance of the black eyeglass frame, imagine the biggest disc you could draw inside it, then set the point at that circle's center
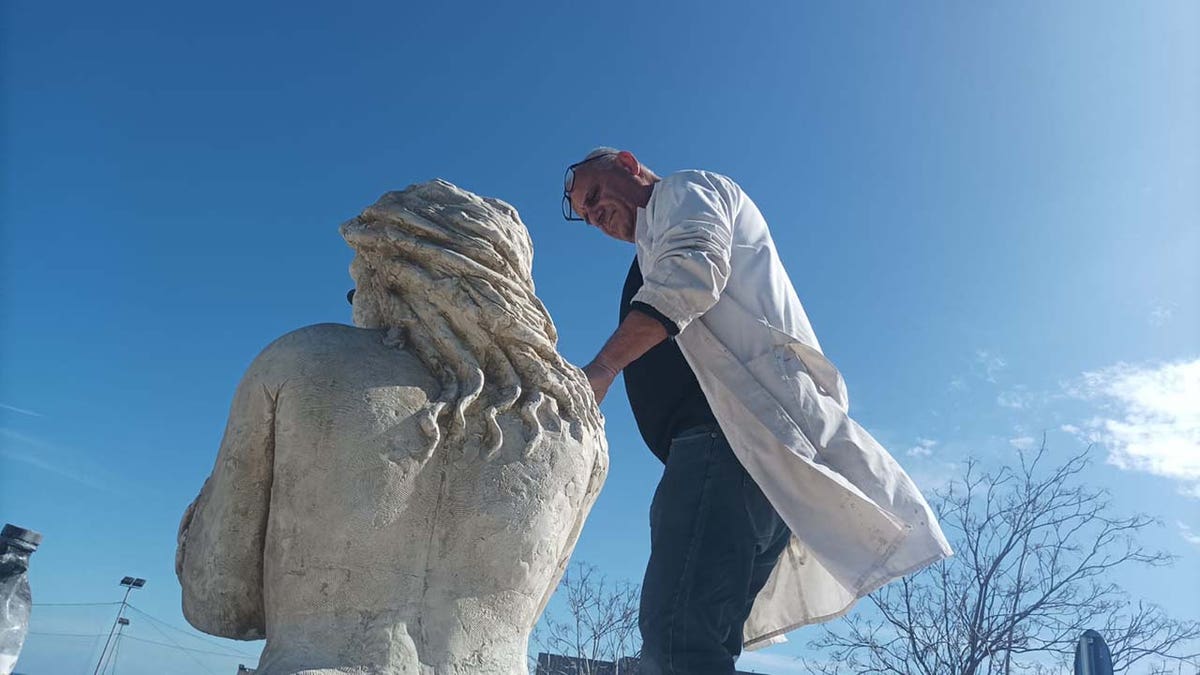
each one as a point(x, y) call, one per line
point(568, 211)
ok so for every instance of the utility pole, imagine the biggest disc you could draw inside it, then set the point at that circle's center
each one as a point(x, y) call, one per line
point(116, 646)
point(129, 583)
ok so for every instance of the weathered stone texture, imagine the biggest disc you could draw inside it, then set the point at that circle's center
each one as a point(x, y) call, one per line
point(401, 496)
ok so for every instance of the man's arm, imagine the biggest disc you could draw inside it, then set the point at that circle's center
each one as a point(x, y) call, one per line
point(688, 261)
point(636, 335)
point(689, 272)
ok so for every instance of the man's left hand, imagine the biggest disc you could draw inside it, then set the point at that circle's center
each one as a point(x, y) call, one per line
point(600, 377)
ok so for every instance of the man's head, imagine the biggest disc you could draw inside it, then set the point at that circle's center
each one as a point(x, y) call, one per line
point(606, 189)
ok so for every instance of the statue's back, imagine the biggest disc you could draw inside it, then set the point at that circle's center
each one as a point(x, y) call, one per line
point(376, 507)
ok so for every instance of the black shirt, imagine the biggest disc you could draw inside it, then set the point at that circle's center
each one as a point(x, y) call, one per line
point(662, 389)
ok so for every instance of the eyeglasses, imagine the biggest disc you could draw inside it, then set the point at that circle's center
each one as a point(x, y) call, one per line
point(569, 184)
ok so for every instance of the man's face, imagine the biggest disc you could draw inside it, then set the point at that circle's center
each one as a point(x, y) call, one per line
point(606, 196)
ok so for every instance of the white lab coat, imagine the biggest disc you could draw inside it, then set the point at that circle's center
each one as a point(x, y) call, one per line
point(858, 521)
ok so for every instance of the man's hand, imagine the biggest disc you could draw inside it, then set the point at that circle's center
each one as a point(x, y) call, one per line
point(600, 376)
point(634, 337)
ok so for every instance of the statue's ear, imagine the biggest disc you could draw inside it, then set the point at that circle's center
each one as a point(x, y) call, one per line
point(350, 296)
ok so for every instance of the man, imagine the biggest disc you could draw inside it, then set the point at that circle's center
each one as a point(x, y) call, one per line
point(785, 511)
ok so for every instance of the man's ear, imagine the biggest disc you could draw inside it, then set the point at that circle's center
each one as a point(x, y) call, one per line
point(629, 163)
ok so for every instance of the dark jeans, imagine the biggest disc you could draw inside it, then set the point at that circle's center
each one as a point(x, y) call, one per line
point(714, 539)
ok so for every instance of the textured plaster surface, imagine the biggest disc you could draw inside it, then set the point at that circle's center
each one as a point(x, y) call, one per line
point(401, 496)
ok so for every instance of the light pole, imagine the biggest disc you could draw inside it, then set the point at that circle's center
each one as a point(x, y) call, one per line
point(116, 647)
point(129, 583)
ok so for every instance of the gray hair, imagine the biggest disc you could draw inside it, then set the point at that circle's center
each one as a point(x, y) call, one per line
point(609, 161)
point(601, 151)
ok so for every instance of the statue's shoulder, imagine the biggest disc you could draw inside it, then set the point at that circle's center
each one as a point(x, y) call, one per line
point(319, 337)
point(308, 348)
point(328, 349)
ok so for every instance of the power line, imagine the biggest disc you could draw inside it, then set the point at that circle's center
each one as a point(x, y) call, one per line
point(181, 647)
point(186, 649)
point(116, 652)
point(110, 666)
point(129, 584)
point(74, 604)
point(190, 633)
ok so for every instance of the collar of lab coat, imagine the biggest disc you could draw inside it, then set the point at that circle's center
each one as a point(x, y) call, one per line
point(640, 226)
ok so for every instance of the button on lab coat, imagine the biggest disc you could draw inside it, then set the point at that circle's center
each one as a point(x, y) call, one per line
point(857, 520)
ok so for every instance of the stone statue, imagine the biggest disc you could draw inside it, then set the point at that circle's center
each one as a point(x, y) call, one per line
point(404, 495)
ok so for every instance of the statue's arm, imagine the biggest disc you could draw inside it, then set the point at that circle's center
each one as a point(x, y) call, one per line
point(219, 559)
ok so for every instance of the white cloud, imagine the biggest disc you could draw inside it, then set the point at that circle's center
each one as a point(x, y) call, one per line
point(48, 457)
point(1023, 442)
point(1149, 418)
point(22, 411)
point(1188, 534)
point(991, 364)
point(1161, 315)
point(923, 448)
point(1021, 398)
point(930, 476)
point(1015, 398)
point(1071, 429)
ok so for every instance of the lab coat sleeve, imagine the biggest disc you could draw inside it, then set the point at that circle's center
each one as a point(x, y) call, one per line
point(691, 238)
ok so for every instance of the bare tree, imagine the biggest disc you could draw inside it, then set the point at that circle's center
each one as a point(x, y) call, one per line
point(598, 624)
point(1034, 552)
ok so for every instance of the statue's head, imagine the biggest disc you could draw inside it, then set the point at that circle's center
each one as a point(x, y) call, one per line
point(437, 227)
point(449, 275)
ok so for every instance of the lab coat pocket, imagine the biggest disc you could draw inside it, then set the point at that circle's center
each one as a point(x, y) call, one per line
point(775, 402)
point(815, 403)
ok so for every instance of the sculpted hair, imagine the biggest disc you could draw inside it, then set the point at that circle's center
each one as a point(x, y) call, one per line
point(449, 274)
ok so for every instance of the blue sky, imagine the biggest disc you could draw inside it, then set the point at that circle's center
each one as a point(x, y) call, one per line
point(990, 212)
